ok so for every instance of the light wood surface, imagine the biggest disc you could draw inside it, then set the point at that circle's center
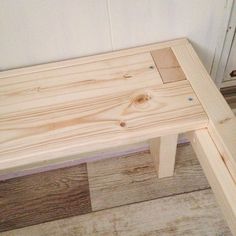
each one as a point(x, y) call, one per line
point(217, 173)
point(186, 214)
point(163, 151)
point(222, 121)
point(167, 65)
point(39, 132)
point(90, 59)
point(57, 111)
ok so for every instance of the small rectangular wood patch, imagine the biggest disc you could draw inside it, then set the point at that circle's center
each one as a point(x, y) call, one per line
point(168, 65)
point(43, 197)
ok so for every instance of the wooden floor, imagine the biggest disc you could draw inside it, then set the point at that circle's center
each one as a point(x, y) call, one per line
point(117, 196)
point(180, 205)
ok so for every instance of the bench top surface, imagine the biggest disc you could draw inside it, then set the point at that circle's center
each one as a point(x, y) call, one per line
point(62, 109)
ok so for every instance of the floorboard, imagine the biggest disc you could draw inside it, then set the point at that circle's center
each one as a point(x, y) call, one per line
point(124, 180)
point(44, 197)
point(193, 213)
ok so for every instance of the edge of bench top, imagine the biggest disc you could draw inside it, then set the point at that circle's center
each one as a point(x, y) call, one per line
point(91, 58)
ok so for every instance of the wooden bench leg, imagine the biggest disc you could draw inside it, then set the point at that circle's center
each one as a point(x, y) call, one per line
point(163, 150)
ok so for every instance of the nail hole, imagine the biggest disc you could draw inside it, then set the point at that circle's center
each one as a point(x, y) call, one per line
point(122, 124)
point(190, 99)
point(151, 67)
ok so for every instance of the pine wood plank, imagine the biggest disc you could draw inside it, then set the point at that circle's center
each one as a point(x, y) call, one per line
point(89, 59)
point(44, 197)
point(87, 80)
point(217, 173)
point(132, 178)
point(84, 125)
point(222, 121)
point(167, 65)
point(163, 151)
point(186, 214)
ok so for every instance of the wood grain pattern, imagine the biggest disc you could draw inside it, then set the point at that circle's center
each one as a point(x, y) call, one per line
point(167, 65)
point(163, 151)
point(43, 197)
point(186, 214)
point(32, 135)
point(90, 59)
point(86, 80)
point(222, 121)
point(133, 178)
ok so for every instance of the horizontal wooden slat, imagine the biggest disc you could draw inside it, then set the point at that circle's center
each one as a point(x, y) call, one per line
point(52, 131)
point(217, 173)
point(76, 82)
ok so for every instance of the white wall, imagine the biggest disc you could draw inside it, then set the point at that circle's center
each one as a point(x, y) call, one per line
point(39, 31)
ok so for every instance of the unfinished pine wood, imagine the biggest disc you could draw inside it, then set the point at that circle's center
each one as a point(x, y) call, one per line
point(163, 151)
point(89, 59)
point(44, 197)
point(77, 82)
point(222, 121)
point(217, 173)
point(167, 65)
point(30, 135)
point(124, 180)
point(186, 214)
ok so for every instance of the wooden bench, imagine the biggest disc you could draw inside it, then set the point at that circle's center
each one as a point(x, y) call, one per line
point(53, 112)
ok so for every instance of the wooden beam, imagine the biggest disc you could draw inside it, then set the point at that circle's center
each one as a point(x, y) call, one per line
point(217, 174)
point(163, 151)
point(222, 121)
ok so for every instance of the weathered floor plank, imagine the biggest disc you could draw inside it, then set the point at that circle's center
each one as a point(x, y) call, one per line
point(193, 213)
point(230, 96)
point(124, 180)
point(43, 197)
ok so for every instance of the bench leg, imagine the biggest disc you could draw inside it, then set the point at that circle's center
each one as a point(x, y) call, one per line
point(163, 151)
